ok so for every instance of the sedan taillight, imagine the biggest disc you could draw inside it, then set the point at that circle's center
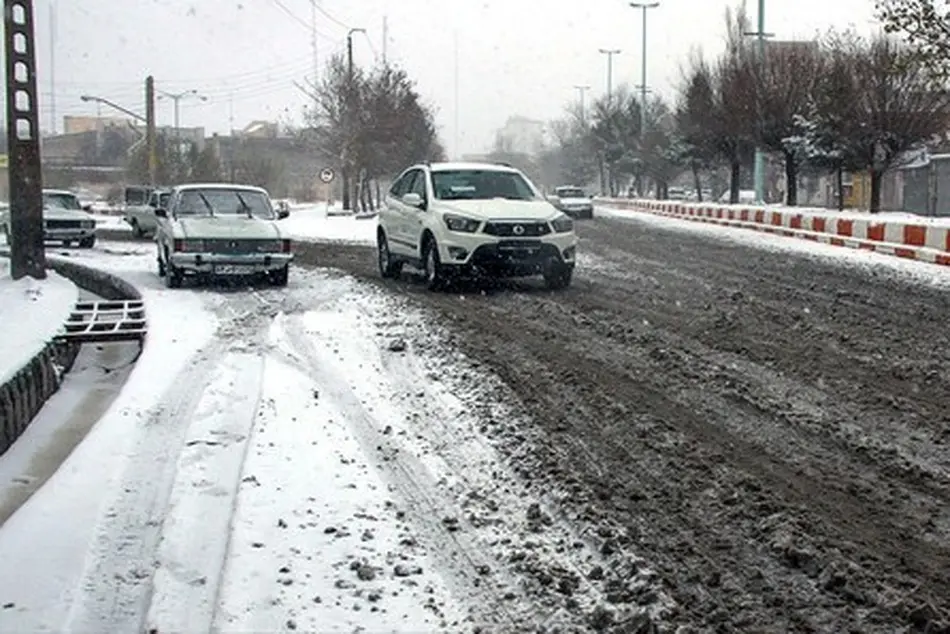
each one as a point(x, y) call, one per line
point(286, 246)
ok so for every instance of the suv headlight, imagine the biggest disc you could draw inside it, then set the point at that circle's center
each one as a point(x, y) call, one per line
point(88, 224)
point(562, 224)
point(459, 223)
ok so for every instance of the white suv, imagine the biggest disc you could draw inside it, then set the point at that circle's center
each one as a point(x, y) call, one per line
point(453, 219)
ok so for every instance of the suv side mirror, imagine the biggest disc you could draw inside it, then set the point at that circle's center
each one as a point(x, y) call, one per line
point(413, 200)
point(282, 213)
point(161, 212)
point(87, 207)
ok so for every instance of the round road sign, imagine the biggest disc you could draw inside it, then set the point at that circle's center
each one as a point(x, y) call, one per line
point(326, 175)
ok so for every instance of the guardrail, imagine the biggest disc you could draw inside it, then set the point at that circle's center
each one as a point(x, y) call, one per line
point(904, 236)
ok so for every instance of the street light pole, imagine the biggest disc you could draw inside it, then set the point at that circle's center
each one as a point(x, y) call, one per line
point(643, 6)
point(758, 168)
point(176, 98)
point(148, 120)
point(610, 52)
point(581, 91)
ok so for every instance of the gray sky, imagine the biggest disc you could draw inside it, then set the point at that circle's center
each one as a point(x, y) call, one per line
point(515, 56)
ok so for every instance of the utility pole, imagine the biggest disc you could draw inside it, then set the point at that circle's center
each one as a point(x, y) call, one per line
point(643, 6)
point(758, 169)
point(313, 42)
point(150, 139)
point(455, 80)
point(610, 68)
point(27, 251)
point(52, 66)
point(348, 119)
point(581, 91)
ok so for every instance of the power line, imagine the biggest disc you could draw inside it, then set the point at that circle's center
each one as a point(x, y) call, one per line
point(296, 18)
point(331, 18)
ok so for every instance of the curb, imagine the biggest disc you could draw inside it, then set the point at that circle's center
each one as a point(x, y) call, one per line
point(25, 394)
point(910, 240)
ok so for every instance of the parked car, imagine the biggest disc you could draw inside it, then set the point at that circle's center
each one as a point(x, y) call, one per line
point(573, 201)
point(221, 230)
point(64, 220)
point(454, 219)
point(142, 218)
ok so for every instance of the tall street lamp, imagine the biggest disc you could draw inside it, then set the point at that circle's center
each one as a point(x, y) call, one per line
point(758, 168)
point(114, 106)
point(610, 52)
point(582, 90)
point(176, 98)
point(643, 6)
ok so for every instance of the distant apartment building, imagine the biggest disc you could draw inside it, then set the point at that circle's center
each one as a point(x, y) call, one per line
point(521, 135)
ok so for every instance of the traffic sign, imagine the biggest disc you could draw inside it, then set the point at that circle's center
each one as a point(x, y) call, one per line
point(326, 175)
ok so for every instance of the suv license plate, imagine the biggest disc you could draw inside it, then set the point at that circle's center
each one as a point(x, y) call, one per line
point(234, 269)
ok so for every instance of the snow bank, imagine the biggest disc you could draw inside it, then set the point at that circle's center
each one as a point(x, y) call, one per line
point(314, 223)
point(32, 313)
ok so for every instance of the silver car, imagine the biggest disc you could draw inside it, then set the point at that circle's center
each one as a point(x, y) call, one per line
point(221, 229)
point(64, 220)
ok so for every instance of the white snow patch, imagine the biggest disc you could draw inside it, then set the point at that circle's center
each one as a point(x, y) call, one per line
point(869, 262)
point(313, 544)
point(32, 313)
point(313, 223)
point(47, 540)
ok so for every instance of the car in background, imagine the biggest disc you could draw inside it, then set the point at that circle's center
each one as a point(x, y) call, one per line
point(456, 219)
point(142, 218)
point(573, 201)
point(221, 230)
point(64, 220)
point(676, 193)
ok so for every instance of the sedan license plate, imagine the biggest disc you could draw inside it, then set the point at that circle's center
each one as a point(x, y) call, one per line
point(234, 269)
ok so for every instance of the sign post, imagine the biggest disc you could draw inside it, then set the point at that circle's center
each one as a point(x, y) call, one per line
point(327, 175)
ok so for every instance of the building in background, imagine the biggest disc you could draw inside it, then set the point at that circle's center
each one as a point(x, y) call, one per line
point(520, 135)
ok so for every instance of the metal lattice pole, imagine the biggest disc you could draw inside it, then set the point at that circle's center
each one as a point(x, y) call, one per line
point(27, 253)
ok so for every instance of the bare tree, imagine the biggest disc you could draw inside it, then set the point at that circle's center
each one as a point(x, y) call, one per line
point(736, 118)
point(785, 81)
point(695, 119)
point(926, 27)
point(615, 128)
point(900, 105)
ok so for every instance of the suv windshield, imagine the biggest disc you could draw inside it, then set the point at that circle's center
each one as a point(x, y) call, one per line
point(476, 184)
point(224, 202)
point(61, 201)
point(571, 192)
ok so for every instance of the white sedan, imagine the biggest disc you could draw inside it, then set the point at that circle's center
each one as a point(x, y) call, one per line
point(221, 229)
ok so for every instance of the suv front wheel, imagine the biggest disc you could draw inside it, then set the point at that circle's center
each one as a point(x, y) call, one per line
point(432, 265)
point(388, 267)
point(558, 276)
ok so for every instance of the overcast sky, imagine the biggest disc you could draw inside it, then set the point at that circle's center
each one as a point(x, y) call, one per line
point(515, 56)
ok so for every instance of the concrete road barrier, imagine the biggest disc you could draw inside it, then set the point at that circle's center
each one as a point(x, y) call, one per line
point(902, 236)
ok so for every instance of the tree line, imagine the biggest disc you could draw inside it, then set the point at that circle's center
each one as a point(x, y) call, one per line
point(838, 103)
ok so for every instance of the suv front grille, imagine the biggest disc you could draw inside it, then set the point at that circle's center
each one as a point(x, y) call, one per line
point(518, 229)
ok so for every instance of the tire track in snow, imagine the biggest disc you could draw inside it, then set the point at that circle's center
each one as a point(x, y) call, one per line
point(115, 591)
point(413, 482)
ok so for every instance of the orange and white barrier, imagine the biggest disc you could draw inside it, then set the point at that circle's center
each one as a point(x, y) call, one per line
point(903, 236)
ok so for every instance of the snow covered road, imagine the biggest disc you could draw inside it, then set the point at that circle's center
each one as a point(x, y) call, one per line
point(289, 459)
